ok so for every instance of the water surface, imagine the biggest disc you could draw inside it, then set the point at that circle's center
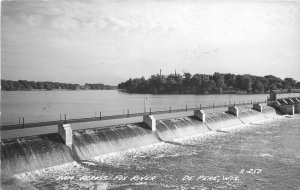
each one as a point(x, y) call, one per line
point(37, 106)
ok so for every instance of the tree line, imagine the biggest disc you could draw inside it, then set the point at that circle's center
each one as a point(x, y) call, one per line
point(201, 83)
point(10, 85)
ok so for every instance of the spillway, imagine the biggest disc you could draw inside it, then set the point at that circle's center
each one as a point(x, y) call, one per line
point(250, 115)
point(170, 129)
point(269, 112)
point(95, 142)
point(32, 153)
point(217, 121)
point(28, 154)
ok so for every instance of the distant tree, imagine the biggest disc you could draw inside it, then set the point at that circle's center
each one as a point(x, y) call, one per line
point(230, 80)
point(286, 84)
point(246, 83)
point(171, 83)
point(25, 85)
point(211, 85)
point(197, 83)
point(219, 80)
point(291, 82)
point(273, 87)
point(187, 76)
point(18, 85)
point(40, 85)
point(48, 85)
point(259, 86)
point(187, 80)
point(265, 82)
point(279, 85)
point(157, 83)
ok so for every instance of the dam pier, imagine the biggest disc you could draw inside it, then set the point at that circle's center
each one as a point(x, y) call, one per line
point(25, 154)
point(289, 105)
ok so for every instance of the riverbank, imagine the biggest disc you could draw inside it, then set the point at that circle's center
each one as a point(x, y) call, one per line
point(228, 92)
point(37, 90)
point(24, 85)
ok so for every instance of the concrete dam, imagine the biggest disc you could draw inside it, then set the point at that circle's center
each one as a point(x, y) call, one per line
point(32, 153)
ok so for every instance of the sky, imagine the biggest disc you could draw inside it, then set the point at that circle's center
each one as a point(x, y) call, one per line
point(110, 41)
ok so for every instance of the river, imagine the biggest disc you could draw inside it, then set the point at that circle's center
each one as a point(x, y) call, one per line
point(36, 106)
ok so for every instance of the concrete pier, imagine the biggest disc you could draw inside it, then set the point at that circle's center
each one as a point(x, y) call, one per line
point(150, 121)
point(257, 107)
point(65, 132)
point(287, 109)
point(297, 108)
point(200, 114)
point(233, 110)
point(285, 105)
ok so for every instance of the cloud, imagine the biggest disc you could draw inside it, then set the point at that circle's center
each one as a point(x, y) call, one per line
point(132, 35)
point(64, 23)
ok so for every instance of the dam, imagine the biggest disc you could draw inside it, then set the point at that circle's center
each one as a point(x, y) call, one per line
point(26, 154)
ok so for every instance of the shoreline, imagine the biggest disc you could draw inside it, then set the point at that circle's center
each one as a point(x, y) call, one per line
point(284, 91)
point(45, 90)
point(136, 93)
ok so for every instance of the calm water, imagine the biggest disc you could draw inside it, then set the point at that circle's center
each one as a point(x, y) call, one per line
point(261, 156)
point(52, 105)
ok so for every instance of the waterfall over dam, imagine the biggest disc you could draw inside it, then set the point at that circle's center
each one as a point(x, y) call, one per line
point(32, 153)
point(217, 121)
point(170, 129)
point(95, 142)
point(250, 115)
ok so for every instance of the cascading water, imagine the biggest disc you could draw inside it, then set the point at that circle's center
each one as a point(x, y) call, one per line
point(171, 129)
point(28, 154)
point(269, 112)
point(95, 142)
point(250, 115)
point(217, 121)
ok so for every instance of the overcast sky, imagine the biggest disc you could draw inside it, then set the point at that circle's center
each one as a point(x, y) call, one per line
point(111, 41)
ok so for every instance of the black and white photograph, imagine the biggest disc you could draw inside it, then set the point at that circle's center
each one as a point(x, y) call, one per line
point(150, 95)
